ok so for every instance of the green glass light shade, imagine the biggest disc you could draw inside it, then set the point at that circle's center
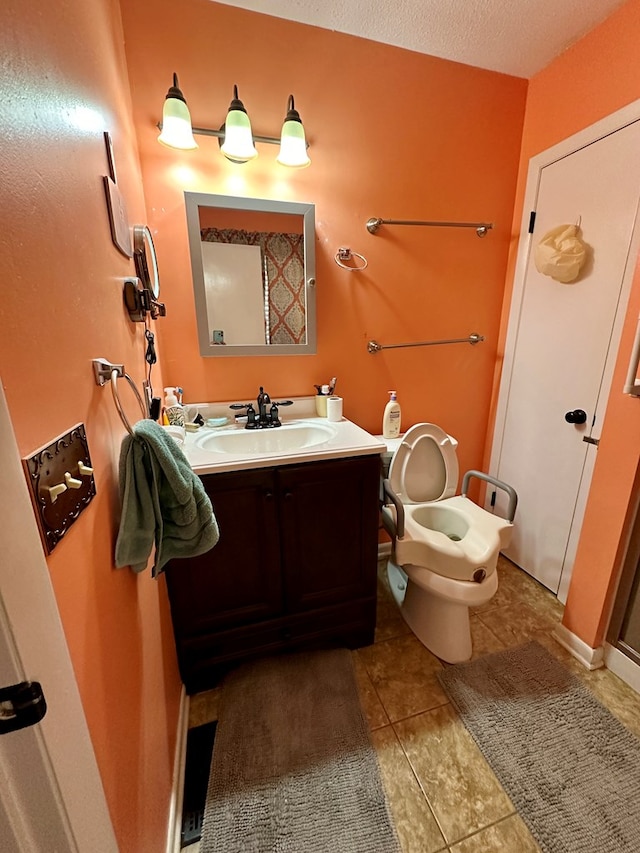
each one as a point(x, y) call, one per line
point(176, 120)
point(293, 144)
point(238, 140)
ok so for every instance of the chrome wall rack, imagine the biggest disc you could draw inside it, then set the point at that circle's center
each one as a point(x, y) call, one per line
point(474, 338)
point(481, 227)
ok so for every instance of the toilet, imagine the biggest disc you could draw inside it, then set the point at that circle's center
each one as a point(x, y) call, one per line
point(445, 547)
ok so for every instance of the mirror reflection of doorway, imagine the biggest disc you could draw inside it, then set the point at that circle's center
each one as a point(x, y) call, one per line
point(270, 284)
point(234, 284)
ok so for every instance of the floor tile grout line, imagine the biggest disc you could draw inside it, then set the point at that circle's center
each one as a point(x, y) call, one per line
point(408, 760)
point(425, 794)
point(511, 814)
point(421, 786)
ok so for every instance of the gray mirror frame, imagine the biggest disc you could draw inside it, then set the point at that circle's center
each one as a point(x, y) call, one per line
point(193, 202)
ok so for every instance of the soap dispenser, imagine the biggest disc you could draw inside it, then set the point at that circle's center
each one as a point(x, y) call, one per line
point(172, 408)
point(391, 417)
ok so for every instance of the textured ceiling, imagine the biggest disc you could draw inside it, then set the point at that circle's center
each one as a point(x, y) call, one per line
point(516, 37)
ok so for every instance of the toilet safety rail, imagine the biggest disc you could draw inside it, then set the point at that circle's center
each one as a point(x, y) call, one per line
point(473, 338)
point(103, 371)
point(399, 506)
point(513, 497)
point(395, 500)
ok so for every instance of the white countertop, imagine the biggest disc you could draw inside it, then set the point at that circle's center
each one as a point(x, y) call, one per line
point(346, 439)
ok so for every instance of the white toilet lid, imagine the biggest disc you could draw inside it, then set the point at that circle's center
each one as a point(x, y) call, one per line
point(425, 466)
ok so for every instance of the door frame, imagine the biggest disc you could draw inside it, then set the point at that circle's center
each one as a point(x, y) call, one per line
point(38, 646)
point(600, 129)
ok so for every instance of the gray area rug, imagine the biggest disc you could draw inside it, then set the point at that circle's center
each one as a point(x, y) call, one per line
point(293, 768)
point(570, 767)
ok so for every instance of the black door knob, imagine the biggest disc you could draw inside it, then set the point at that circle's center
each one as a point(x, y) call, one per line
point(577, 416)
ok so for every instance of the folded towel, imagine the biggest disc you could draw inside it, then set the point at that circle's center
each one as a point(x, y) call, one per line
point(163, 502)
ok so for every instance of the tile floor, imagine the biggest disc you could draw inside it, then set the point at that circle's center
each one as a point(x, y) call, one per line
point(442, 793)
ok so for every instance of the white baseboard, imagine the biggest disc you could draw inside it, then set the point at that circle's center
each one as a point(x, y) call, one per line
point(622, 666)
point(588, 657)
point(174, 829)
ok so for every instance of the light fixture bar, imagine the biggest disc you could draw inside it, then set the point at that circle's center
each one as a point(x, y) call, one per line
point(219, 134)
point(204, 131)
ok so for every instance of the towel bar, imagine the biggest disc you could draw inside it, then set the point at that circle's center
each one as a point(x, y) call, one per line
point(474, 338)
point(481, 227)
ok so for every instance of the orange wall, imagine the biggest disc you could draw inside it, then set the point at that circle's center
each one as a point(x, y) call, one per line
point(392, 134)
point(597, 76)
point(64, 83)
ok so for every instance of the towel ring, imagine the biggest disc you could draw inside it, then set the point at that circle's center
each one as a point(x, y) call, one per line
point(345, 254)
point(116, 398)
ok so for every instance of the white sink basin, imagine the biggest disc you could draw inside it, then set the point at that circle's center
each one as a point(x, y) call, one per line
point(258, 441)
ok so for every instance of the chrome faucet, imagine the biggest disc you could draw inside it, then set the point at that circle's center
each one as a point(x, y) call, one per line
point(262, 419)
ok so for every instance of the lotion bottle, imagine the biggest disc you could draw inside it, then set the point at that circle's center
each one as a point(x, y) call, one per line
point(391, 417)
point(172, 408)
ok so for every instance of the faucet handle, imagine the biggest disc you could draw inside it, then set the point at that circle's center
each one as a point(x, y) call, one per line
point(272, 417)
point(251, 417)
point(283, 403)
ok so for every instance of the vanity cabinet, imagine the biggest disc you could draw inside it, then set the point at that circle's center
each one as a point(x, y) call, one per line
point(295, 566)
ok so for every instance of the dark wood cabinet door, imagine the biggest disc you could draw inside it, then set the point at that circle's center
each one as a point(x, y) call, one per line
point(239, 580)
point(329, 521)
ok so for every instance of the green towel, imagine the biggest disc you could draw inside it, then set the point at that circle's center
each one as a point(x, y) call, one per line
point(163, 502)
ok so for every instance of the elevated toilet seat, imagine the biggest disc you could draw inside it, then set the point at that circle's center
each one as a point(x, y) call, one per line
point(429, 542)
point(445, 547)
point(449, 535)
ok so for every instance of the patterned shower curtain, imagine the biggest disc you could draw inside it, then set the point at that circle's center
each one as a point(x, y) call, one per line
point(283, 264)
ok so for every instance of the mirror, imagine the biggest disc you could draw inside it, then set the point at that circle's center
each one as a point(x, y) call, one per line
point(144, 256)
point(253, 267)
point(141, 294)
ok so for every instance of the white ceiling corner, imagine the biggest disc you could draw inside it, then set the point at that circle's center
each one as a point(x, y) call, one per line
point(518, 37)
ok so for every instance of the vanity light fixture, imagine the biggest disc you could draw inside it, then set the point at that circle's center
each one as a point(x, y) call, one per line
point(293, 145)
point(235, 137)
point(176, 120)
point(238, 140)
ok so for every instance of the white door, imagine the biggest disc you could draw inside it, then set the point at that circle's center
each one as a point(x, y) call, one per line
point(563, 342)
point(51, 795)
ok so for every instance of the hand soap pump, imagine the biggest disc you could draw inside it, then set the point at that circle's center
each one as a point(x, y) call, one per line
point(172, 408)
point(391, 417)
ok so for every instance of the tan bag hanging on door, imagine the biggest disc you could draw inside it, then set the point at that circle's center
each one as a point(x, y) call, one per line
point(561, 254)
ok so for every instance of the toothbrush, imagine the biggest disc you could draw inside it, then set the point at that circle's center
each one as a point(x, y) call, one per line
point(332, 384)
